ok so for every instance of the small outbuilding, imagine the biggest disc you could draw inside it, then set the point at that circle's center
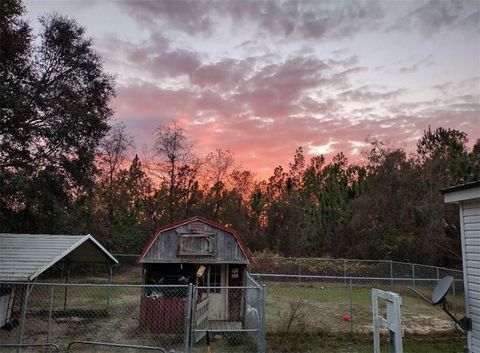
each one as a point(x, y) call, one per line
point(194, 251)
point(468, 198)
point(24, 257)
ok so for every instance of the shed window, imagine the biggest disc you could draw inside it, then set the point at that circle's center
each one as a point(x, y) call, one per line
point(215, 278)
point(195, 245)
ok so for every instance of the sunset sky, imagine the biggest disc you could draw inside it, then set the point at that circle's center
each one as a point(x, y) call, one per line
point(263, 77)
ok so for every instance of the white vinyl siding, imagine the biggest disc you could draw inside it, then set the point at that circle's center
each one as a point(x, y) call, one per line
point(470, 224)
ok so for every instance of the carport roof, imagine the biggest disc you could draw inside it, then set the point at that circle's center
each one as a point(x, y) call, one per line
point(23, 257)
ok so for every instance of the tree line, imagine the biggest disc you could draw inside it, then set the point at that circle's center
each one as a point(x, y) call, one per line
point(66, 168)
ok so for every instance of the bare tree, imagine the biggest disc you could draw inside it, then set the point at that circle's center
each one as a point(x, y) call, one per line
point(173, 151)
point(113, 151)
point(218, 165)
point(114, 148)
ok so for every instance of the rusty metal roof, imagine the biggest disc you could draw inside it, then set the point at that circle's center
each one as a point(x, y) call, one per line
point(23, 257)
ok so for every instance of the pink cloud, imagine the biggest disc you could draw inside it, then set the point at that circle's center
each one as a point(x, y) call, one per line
point(264, 112)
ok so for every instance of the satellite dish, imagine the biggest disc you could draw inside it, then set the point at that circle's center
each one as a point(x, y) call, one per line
point(439, 297)
point(441, 289)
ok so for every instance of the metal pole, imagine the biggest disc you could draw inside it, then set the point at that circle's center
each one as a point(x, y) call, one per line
point(188, 319)
point(391, 273)
point(351, 306)
point(261, 329)
point(454, 307)
point(66, 288)
point(49, 326)
point(345, 272)
point(23, 316)
point(438, 273)
point(413, 275)
point(376, 331)
point(299, 272)
point(109, 290)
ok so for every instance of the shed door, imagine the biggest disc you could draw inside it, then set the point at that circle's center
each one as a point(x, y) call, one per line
point(218, 297)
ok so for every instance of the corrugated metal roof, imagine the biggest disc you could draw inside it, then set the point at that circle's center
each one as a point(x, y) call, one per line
point(25, 256)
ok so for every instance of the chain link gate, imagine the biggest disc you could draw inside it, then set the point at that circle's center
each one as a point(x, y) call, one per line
point(239, 328)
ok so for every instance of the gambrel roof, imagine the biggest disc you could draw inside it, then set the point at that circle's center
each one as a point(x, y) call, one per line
point(222, 227)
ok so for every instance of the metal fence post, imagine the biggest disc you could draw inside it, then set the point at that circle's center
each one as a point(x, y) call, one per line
point(23, 317)
point(50, 309)
point(299, 271)
point(109, 290)
point(261, 323)
point(413, 275)
point(438, 273)
point(351, 306)
point(188, 319)
point(454, 307)
point(391, 273)
point(67, 281)
point(345, 272)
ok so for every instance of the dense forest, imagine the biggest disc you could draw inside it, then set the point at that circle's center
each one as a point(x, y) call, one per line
point(65, 167)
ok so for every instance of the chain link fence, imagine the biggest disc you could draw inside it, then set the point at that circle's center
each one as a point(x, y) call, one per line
point(128, 271)
point(329, 305)
point(51, 317)
point(349, 268)
point(310, 298)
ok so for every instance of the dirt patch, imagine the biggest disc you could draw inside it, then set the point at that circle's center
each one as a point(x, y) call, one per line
point(422, 324)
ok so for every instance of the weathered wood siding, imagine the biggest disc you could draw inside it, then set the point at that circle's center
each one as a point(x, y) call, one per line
point(470, 224)
point(221, 246)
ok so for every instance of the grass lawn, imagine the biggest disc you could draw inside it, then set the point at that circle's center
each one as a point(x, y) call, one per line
point(320, 307)
point(312, 344)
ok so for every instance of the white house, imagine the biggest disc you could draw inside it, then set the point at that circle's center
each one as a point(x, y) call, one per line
point(468, 198)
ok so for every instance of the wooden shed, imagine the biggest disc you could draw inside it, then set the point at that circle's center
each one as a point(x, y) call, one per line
point(468, 198)
point(199, 251)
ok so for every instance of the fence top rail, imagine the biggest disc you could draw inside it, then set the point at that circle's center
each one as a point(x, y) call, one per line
point(335, 260)
point(105, 285)
point(227, 287)
point(349, 277)
point(354, 260)
point(92, 285)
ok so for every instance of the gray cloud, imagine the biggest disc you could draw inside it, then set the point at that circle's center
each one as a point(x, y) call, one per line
point(305, 19)
point(367, 94)
point(436, 15)
point(424, 62)
point(155, 56)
